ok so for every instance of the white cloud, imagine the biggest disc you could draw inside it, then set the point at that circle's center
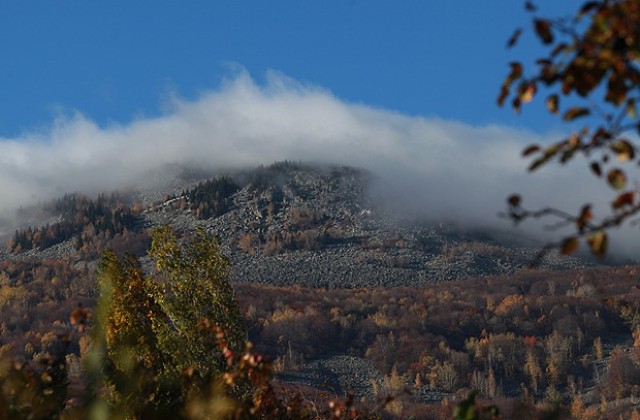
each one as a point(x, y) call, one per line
point(435, 166)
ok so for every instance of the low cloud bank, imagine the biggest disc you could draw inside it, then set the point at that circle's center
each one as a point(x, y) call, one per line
point(438, 168)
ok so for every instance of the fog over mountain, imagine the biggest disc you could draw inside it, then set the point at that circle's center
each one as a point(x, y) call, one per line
point(428, 166)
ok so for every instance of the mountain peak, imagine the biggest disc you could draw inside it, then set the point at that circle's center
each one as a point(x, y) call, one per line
point(286, 223)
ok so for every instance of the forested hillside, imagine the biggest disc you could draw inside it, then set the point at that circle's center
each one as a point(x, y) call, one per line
point(85, 222)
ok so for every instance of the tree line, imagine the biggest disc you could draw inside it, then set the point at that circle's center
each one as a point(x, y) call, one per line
point(79, 217)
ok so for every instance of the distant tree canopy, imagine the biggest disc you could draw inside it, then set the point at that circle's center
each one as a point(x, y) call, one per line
point(79, 216)
point(595, 51)
point(210, 198)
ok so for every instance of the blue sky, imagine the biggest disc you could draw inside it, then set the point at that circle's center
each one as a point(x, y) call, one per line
point(119, 61)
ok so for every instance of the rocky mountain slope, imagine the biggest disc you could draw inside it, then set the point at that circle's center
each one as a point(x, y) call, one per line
point(318, 225)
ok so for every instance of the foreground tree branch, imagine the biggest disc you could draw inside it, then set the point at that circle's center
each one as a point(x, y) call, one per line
point(596, 50)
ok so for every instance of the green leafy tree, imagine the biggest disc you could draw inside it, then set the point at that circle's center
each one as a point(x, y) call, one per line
point(596, 51)
point(152, 343)
point(192, 288)
point(135, 366)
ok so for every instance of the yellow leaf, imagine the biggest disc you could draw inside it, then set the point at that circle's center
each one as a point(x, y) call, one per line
point(624, 150)
point(552, 104)
point(575, 112)
point(617, 178)
point(598, 243)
